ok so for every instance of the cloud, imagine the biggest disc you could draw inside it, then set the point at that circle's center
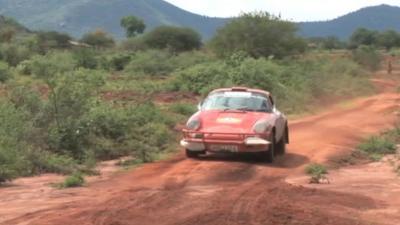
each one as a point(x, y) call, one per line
point(296, 10)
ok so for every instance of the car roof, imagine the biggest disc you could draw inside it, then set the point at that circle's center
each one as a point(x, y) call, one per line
point(242, 89)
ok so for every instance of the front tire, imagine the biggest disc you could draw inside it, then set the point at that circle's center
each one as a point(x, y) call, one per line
point(192, 154)
point(281, 145)
point(269, 155)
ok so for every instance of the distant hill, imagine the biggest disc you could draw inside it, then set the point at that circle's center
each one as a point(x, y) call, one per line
point(77, 17)
point(380, 18)
point(9, 23)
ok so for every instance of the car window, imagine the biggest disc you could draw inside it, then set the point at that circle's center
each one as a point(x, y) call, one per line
point(245, 101)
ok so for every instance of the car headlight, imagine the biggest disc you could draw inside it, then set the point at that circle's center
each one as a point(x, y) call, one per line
point(262, 126)
point(193, 124)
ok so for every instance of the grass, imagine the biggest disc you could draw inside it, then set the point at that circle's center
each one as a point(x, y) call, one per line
point(376, 147)
point(186, 109)
point(74, 180)
point(317, 172)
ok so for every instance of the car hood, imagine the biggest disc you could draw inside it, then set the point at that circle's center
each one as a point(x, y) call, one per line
point(230, 122)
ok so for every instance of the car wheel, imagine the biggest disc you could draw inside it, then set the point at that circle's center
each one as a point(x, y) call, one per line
point(269, 155)
point(192, 154)
point(281, 145)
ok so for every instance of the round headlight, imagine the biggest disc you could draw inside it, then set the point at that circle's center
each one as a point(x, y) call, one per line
point(193, 124)
point(262, 126)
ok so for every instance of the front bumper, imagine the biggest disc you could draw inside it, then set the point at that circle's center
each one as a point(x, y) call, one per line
point(231, 143)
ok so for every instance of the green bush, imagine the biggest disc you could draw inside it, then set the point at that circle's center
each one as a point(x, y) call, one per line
point(5, 73)
point(70, 100)
point(175, 39)
point(294, 83)
point(377, 146)
point(75, 180)
point(316, 172)
point(15, 128)
point(98, 39)
point(86, 58)
point(151, 63)
point(368, 57)
point(13, 54)
point(183, 108)
point(47, 40)
point(116, 62)
point(51, 64)
point(7, 166)
point(133, 45)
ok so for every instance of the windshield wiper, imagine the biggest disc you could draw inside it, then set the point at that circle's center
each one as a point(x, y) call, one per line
point(244, 109)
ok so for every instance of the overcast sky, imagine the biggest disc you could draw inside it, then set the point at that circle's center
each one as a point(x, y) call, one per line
point(295, 10)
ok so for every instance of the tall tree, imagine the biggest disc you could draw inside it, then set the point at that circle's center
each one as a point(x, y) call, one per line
point(258, 34)
point(133, 25)
point(363, 36)
point(176, 39)
point(389, 39)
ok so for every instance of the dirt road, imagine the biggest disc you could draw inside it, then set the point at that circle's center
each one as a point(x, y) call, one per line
point(221, 189)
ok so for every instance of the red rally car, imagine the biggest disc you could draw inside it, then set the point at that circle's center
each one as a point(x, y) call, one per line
point(237, 120)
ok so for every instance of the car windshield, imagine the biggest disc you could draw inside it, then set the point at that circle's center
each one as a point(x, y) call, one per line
point(243, 101)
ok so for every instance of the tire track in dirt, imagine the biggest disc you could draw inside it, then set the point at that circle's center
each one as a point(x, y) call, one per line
point(234, 190)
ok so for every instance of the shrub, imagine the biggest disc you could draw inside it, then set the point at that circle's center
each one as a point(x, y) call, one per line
point(75, 180)
point(15, 127)
point(13, 54)
point(5, 73)
point(7, 166)
point(118, 62)
point(59, 164)
point(70, 100)
point(47, 40)
point(368, 57)
point(133, 44)
point(317, 172)
point(294, 83)
point(114, 132)
point(183, 108)
point(98, 39)
point(50, 65)
point(85, 58)
point(151, 63)
point(363, 36)
point(376, 147)
point(175, 39)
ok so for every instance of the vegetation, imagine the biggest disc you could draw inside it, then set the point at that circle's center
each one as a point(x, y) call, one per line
point(175, 39)
point(99, 39)
point(64, 105)
point(387, 39)
point(329, 43)
point(317, 173)
point(258, 35)
point(133, 26)
point(376, 147)
point(295, 83)
point(74, 180)
point(368, 57)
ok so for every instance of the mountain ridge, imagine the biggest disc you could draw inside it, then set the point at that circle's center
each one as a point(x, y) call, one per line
point(77, 17)
point(380, 17)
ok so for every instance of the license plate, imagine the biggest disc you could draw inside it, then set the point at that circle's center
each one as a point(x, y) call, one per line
point(224, 148)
